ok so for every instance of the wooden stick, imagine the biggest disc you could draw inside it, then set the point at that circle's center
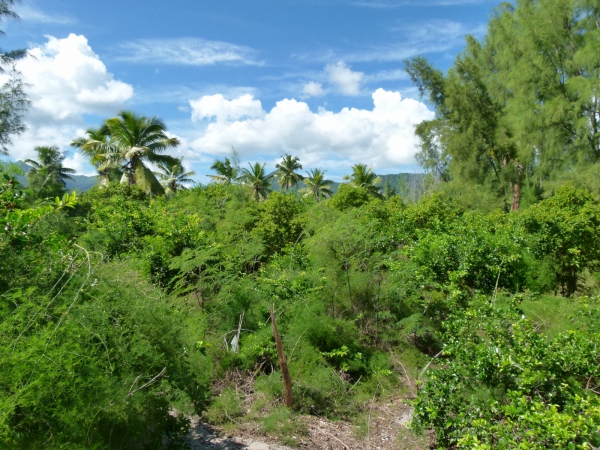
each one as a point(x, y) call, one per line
point(287, 379)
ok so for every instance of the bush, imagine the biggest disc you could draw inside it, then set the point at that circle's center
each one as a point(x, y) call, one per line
point(503, 385)
point(96, 362)
point(565, 231)
point(349, 196)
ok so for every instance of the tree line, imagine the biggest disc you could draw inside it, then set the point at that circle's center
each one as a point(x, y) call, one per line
point(121, 149)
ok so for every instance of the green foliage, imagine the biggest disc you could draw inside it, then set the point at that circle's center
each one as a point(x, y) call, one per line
point(363, 177)
point(279, 224)
point(91, 363)
point(173, 176)
point(517, 111)
point(257, 180)
point(565, 231)
point(503, 385)
point(348, 196)
point(47, 177)
point(119, 219)
point(124, 306)
point(226, 408)
point(316, 185)
point(282, 423)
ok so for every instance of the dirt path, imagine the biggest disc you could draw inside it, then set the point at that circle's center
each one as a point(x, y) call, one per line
point(385, 429)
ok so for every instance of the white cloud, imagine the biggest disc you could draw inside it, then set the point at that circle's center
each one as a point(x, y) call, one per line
point(313, 89)
point(29, 13)
point(222, 109)
point(347, 81)
point(78, 163)
point(66, 80)
point(435, 36)
point(187, 52)
point(382, 137)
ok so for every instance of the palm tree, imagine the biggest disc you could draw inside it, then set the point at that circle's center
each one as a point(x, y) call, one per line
point(97, 149)
point(288, 177)
point(139, 140)
point(316, 185)
point(173, 176)
point(257, 180)
point(47, 175)
point(363, 177)
point(226, 172)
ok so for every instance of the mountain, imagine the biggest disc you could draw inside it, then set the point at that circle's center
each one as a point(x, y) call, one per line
point(399, 181)
point(82, 182)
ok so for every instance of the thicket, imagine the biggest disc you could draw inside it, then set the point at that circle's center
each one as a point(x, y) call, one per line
point(118, 307)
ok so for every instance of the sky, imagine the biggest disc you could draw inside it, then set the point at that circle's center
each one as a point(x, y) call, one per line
point(323, 80)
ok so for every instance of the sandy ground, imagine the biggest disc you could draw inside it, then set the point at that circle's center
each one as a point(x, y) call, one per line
point(385, 430)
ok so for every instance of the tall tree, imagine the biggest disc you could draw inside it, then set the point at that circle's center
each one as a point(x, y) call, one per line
point(287, 174)
point(363, 177)
point(316, 185)
point(520, 108)
point(47, 176)
point(138, 140)
point(13, 105)
point(257, 180)
point(13, 99)
point(173, 176)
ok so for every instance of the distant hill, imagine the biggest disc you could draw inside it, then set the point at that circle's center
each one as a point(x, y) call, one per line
point(396, 181)
point(82, 182)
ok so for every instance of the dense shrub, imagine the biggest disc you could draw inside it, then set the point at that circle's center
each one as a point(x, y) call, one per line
point(504, 385)
point(95, 362)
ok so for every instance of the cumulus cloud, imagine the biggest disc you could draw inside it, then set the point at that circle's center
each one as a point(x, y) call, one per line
point(187, 52)
point(313, 89)
point(382, 137)
point(216, 106)
point(347, 81)
point(66, 80)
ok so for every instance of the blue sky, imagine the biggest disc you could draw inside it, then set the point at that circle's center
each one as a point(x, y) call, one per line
point(321, 79)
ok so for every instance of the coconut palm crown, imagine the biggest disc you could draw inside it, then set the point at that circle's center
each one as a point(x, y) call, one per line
point(49, 166)
point(363, 177)
point(227, 172)
point(287, 175)
point(97, 149)
point(47, 175)
point(257, 180)
point(173, 176)
point(139, 140)
point(316, 185)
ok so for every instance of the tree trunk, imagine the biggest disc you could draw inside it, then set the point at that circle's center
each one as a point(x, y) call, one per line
point(287, 379)
point(516, 191)
point(132, 168)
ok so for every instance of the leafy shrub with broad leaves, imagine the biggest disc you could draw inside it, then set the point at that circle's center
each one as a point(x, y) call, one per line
point(504, 385)
point(564, 230)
